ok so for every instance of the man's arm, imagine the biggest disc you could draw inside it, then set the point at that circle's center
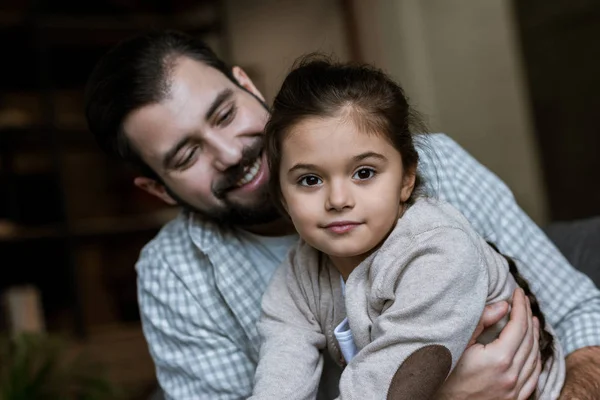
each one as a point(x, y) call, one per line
point(569, 299)
point(583, 370)
point(508, 368)
point(193, 358)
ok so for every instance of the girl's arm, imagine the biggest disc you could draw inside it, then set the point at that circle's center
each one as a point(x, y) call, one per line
point(290, 362)
point(570, 299)
point(430, 311)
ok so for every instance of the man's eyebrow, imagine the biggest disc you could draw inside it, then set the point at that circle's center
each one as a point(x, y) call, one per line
point(220, 99)
point(170, 155)
point(369, 154)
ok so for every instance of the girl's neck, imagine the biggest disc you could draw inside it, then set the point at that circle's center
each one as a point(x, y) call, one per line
point(345, 265)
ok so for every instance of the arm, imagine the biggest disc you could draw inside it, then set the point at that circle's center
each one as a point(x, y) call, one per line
point(194, 359)
point(430, 312)
point(570, 300)
point(583, 372)
point(508, 368)
point(291, 362)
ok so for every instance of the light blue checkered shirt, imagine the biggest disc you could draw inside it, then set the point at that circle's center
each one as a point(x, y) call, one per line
point(200, 295)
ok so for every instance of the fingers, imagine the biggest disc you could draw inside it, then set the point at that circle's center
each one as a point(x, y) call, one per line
point(531, 384)
point(514, 332)
point(525, 349)
point(492, 314)
point(529, 374)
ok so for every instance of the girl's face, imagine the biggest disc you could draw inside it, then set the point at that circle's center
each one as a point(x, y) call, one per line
point(342, 188)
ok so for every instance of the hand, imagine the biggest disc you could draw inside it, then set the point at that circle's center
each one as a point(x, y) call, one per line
point(507, 368)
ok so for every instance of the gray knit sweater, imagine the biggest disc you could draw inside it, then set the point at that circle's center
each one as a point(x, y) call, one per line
point(412, 307)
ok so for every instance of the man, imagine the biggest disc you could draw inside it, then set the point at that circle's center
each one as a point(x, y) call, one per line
point(193, 126)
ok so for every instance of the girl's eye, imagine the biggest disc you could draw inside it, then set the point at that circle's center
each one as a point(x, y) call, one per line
point(309, 180)
point(364, 174)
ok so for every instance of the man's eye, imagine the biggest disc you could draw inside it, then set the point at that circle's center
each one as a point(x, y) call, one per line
point(364, 174)
point(309, 180)
point(189, 158)
point(226, 117)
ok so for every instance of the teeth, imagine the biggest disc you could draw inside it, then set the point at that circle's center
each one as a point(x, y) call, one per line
point(251, 172)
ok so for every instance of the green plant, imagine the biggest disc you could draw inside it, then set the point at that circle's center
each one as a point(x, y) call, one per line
point(39, 367)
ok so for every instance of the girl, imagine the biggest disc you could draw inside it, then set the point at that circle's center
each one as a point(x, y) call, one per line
point(389, 282)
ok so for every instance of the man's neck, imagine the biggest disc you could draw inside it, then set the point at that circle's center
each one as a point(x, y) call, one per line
point(279, 227)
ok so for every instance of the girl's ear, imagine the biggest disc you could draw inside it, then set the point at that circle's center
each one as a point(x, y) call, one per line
point(408, 183)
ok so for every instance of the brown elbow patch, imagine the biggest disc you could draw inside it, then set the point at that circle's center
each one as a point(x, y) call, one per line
point(422, 374)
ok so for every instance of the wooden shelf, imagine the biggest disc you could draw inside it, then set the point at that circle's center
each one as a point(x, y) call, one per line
point(203, 18)
point(10, 232)
point(124, 224)
point(50, 164)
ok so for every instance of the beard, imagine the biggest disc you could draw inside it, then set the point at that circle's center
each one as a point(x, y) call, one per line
point(230, 212)
point(234, 214)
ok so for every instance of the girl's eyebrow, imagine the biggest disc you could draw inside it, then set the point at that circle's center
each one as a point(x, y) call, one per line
point(357, 158)
point(302, 166)
point(369, 154)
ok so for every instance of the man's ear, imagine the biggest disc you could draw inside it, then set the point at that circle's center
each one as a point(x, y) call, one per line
point(408, 184)
point(244, 80)
point(154, 188)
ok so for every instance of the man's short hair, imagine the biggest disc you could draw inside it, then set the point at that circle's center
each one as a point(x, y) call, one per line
point(133, 74)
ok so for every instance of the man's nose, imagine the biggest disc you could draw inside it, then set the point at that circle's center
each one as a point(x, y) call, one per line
point(339, 197)
point(226, 151)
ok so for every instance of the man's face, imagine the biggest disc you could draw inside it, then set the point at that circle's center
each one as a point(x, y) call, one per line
point(205, 141)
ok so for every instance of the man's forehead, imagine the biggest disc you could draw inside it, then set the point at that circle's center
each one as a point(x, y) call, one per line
point(193, 88)
point(193, 75)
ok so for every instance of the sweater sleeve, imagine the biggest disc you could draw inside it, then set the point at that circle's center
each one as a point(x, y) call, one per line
point(291, 361)
point(431, 294)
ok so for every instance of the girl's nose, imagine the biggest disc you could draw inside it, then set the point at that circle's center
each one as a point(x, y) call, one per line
point(339, 197)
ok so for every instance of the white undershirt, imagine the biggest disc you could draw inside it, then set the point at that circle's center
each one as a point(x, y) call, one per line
point(266, 253)
point(343, 334)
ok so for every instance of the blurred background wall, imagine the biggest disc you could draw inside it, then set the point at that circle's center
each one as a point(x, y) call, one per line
point(513, 82)
point(461, 63)
point(266, 39)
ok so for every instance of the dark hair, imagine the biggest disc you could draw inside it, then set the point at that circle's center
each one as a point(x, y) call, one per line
point(133, 74)
point(319, 87)
point(546, 341)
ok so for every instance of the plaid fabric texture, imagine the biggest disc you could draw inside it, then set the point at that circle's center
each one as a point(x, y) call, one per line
point(199, 294)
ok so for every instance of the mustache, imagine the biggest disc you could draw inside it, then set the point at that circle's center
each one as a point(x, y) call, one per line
point(233, 174)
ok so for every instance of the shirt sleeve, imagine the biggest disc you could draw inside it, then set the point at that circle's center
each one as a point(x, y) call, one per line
point(429, 312)
point(291, 362)
point(194, 359)
point(568, 298)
